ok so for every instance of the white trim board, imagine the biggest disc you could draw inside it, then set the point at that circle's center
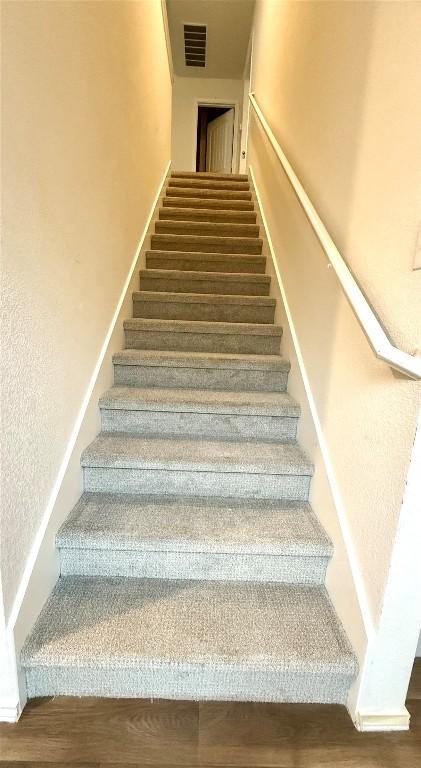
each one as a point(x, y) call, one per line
point(10, 714)
point(392, 648)
point(358, 581)
point(375, 703)
point(367, 722)
point(357, 622)
point(41, 569)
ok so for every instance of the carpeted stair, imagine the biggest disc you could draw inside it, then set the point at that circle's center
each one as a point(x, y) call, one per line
point(193, 566)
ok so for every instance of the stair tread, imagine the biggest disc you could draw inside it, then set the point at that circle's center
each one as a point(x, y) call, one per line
point(208, 239)
point(155, 357)
point(200, 401)
point(206, 228)
point(207, 183)
point(208, 175)
point(185, 297)
point(215, 255)
point(203, 192)
point(93, 622)
point(214, 203)
point(202, 326)
point(127, 451)
point(225, 216)
point(132, 522)
point(177, 274)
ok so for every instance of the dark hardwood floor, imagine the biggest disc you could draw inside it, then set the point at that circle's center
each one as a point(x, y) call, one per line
point(111, 733)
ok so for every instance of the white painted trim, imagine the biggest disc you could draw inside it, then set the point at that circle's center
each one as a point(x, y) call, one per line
point(11, 713)
point(392, 649)
point(218, 103)
point(167, 38)
point(30, 563)
point(369, 722)
point(330, 473)
point(403, 362)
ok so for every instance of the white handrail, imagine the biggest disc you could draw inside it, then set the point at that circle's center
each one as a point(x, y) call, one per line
point(374, 331)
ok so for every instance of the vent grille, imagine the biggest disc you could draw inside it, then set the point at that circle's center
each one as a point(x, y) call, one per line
point(195, 45)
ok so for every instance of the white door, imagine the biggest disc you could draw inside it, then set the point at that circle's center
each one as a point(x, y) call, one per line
point(219, 143)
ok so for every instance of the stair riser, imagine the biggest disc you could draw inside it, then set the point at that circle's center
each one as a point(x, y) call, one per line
point(207, 244)
point(212, 228)
point(235, 313)
point(197, 682)
point(196, 202)
point(225, 217)
point(235, 186)
point(218, 194)
point(200, 378)
point(208, 285)
point(209, 176)
point(203, 342)
point(212, 425)
point(189, 483)
point(192, 565)
point(183, 262)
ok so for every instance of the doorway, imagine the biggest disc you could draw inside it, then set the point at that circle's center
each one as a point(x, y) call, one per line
point(215, 138)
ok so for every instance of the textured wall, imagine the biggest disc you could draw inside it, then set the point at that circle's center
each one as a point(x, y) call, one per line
point(339, 84)
point(187, 91)
point(86, 139)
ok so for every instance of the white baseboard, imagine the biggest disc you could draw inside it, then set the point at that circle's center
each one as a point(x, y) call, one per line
point(10, 713)
point(42, 569)
point(330, 473)
point(355, 616)
point(382, 721)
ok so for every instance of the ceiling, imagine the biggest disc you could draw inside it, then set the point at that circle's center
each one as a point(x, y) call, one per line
point(228, 25)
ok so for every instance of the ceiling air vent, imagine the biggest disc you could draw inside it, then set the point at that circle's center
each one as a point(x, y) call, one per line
point(195, 45)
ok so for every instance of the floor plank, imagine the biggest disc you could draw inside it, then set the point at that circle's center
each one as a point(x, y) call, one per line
point(68, 732)
point(291, 735)
point(87, 730)
point(414, 690)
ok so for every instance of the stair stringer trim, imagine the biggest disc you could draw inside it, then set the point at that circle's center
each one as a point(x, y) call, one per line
point(42, 567)
point(343, 574)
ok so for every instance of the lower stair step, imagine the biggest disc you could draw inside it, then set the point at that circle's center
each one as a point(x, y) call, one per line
point(124, 463)
point(200, 413)
point(199, 306)
point(206, 243)
point(206, 262)
point(214, 203)
point(172, 639)
point(197, 336)
point(204, 183)
point(220, 194)
point(207, 214)
point(201, 370)
point(199, 538)
point(225, 283)
point(209, 175)
point(211, 228)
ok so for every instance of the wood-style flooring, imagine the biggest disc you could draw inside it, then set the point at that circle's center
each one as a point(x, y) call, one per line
point(112, 733)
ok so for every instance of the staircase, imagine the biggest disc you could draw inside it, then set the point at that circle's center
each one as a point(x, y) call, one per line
point(192, 567)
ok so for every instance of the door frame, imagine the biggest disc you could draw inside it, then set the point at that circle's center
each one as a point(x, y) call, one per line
point(236, 137)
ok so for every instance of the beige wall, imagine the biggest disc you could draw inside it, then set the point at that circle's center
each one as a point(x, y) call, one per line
point(340, 83)
point(86, 139)
point(186, 93)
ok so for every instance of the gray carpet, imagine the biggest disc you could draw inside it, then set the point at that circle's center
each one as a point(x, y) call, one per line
point(189, 639)
point(192, 566)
